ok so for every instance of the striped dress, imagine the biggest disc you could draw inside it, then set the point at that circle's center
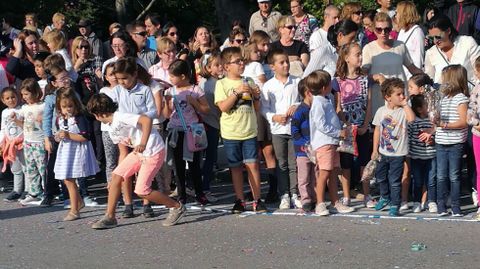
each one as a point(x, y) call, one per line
point(419, 149)
point(449, 114)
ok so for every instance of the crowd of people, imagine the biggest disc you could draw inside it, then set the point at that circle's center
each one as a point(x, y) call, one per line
point(380, 92)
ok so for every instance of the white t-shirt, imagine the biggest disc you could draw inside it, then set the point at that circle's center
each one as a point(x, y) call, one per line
point(9, 128)
point(32, 122)
point(414, 40)
point(393, 131)
point(110, 93)
point(124, 130)
point(253, 70)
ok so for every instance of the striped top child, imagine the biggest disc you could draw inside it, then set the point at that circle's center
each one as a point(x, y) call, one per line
point(419, 149)
point(449, 114)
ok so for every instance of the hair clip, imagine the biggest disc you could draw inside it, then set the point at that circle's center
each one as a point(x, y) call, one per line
point(205, 58)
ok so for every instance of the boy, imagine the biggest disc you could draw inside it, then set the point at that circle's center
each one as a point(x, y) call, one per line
point(38, 60)
point(146, 159)
point(390, 139)
point(325, 133)
point(238, 101)
point(279, 101)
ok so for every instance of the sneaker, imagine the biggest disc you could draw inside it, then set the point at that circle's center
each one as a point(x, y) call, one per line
point(342, 209)
point(175, 215)
point(285, 202)
point(148, 211)
point(259, 206)
point(393, 211)
point(30, 200)
point(238, 207)
point(474, 197)
point(47, 201)
point(382, 203)
point(442, 210)
point(210, 197)
point(295, 200)
point(432, 207)
point(202, 199)
point(190, 191)
point(308, 207)
point(321, 209)
point(417, 207)
point(105, 223)
point(345, 201)
point(128, 212)
point(271, 198)
point(456, 212)
point(369, 202)
point(12, 197)
point(89, 201)
point(66, 204)
point(404, 206)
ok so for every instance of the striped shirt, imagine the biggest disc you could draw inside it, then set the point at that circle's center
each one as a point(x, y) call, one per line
point(419, 149)
point(449, 114)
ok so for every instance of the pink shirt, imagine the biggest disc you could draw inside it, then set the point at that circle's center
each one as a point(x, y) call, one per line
point(188, 110)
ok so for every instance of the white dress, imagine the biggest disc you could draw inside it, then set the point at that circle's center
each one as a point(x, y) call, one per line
point(74, 159)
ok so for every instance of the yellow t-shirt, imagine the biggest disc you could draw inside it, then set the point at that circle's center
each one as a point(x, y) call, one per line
point(240, 123)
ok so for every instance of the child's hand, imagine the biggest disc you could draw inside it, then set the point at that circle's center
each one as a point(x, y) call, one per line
point(280, 119)
point(63, 135)
point(48, 145)
point(291, 110)
point(140, 148)
point(13, 116)
point(243, 88)
point(255, 91)
point(343, 133)
point(379, 78)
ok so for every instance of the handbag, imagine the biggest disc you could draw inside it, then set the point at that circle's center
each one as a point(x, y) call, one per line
point(195, 132)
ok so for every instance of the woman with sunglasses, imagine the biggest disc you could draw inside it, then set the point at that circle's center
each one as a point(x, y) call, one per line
point(236, 38)
point(449, 48)
point(297, 50)
point(87, 66)
point(353, 11)
point(170, 31)
point(306, 23)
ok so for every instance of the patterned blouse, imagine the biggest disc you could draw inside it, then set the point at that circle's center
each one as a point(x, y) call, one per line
point(305, 28)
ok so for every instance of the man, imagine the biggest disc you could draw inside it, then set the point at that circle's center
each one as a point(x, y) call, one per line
point(85, 29)
point(7, 29)
point(139, 34)
point(319, 37)
point(265, 19)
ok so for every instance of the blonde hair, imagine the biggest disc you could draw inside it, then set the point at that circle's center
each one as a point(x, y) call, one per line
point(32, 16)
point(75, 43)
point(164, 43)
point(382, 17)
point(408, 14)
point(454, 78)
point(284, 20)
point(206, 61)
point(56, 39)
point(348, 10)
point(58, 17)
point(247, 51)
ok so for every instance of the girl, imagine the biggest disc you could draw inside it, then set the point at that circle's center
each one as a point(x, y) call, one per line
point(75, 156)
point(422, 156)
point(33, 145)
point(354, 108)
point(253, 67)
point(11, 137)
point(191, 100)
point(57, 43)
point(262, 40)
point(473, 119)
point(212, 70)
point(419, 84)
point(111, 150)
point(450, 137)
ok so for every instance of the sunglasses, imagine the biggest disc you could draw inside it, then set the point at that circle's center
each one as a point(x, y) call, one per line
point(237, 62)
point(385, 30)
point(264, 22)
point(172, 33)
point(143, 33)
point(358, 12)
point(290, 27)
point(436, 37)
point(239, 41)
point(83, 47)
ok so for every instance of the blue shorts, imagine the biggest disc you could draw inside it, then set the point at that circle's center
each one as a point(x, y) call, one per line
point(240, 151)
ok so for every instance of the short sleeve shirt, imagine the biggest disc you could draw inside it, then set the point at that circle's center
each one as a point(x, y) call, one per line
point(296, 49)
point(393, 131)
point(32, 122)
point(188, 111)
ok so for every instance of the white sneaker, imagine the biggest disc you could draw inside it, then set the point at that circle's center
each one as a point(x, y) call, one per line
point(285, 202)
point(89, 201)
point(474, 197)
point(295, 200)
point(345, 201)
point(432, 207)
point(210, 197)
point(417, 207)
point(369, 202)
point(321, 209)
point(404, 206)
point(342, 209)
point(30, 200)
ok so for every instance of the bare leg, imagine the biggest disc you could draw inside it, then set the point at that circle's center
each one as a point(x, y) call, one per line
point(323, 176)
point(74, 195)
point(254, 179)
point(405, 181)
point(345, 180)
point(114, 194)
point(237, 179)
point(160, 198)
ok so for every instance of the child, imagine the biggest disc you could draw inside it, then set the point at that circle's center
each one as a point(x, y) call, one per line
point(75, 156)
point(212, 70)
point(422, 156)
point(33, 145)
point(238, 102)
point(11, 138)
point(355, 108)
point(450, 137)
point(262, 40)
point(325, 133)
point(253, 68)
point(146, 159)
point(57, 43)
point(418, 84)
point(38, 60)
point(473, 119)
point(386, 7)
point(111, 150)
point(191, 100)
point(300, 127)
point(279, 101)
point(390, 139)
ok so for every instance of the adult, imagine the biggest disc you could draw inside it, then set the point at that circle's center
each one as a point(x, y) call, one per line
point(122, 45)
point(265, 19)
point(306, 23)
point(170, 31)
point(7, 27)
point(88, 67)
point(385, 58)
point(319, 37)
point(166, 51)
point(31, 23)
point(201, 43)
point(450, 48)
point(58, 22)
point(154, 29)
point(236, 38)
point(297, 50)
point(107, 49)
point(353, 11)
point(463, 15)
point(411, 33)
point(21, 63)
point(85, 29)
point(325, 57)
point(138, 32)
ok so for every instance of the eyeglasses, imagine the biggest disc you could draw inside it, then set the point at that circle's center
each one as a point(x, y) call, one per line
point(290, 27)
point(118, 46)
point(237, 62)
point(172, 34)
point(358, 12)
point(83, 47)
point(385, 30)
point(143, 33)
point(239, 41)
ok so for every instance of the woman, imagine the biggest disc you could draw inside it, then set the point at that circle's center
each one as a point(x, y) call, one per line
point(385, 58)
point(306, 24)
point(353, 11)
point(325, 57)
point(297, 50)
point(201, 43)
point(411, 33)
point(25, 47)
point(170, 31)
point(166, 51)
point(236, 38)
point(449, 48)
point(122, 45)
point(107, 49)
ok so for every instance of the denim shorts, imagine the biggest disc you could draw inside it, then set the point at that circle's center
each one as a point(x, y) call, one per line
point(240, 151)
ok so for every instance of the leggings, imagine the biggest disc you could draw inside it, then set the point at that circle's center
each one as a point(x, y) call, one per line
point(476, 152)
